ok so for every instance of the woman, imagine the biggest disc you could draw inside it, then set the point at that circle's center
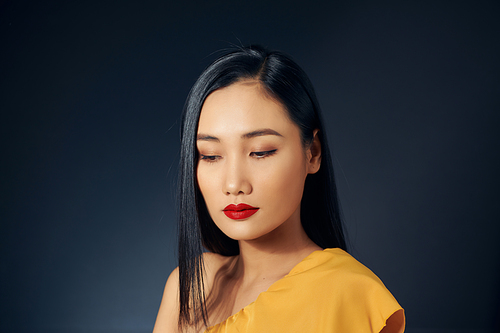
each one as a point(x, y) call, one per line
point(256, 190)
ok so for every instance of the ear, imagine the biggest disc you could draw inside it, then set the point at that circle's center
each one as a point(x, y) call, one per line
point(314, 154)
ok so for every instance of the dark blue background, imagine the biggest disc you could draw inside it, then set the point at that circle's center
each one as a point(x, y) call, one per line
point(90, 98)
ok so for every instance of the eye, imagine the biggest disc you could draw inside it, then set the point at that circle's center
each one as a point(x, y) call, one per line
point(209, 158)
point(262, 154)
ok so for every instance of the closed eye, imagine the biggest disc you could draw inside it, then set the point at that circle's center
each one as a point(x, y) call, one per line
point(262, 154)
point(209, 158)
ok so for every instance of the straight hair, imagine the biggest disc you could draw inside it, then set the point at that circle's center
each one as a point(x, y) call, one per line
point(320, 214)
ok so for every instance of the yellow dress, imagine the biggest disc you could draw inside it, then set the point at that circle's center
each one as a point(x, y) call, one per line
point(328, 291)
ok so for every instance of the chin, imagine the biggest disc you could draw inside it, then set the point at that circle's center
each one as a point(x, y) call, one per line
point(243, 230)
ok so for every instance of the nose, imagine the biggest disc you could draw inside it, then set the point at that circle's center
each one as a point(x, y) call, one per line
point(236, 179)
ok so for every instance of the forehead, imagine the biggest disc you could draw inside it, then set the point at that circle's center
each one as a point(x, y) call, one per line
point(241, 108)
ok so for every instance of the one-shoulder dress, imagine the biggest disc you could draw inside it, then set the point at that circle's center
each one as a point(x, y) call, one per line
point(328, 291)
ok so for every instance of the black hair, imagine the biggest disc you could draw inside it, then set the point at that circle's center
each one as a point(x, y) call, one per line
point(320, 212)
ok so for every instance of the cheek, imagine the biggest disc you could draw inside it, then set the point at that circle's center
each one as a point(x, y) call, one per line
point(207, 183)
point(284, 184)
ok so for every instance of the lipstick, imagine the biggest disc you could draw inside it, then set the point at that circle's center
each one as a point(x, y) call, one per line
point(240, 211)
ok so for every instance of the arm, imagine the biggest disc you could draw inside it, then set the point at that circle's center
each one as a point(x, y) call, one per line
point(168, 315)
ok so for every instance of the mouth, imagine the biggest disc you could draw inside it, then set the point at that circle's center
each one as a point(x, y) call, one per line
point(240, 211)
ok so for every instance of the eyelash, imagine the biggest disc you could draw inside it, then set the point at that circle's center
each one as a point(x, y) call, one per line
point(263, 154)
point(209, 158)
point(257, 154)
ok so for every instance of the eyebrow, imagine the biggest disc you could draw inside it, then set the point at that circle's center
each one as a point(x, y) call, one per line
point(205, 137)
point(260, 132)
point(249, 135)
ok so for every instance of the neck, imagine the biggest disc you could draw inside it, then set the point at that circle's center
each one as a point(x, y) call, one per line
point(275, 254)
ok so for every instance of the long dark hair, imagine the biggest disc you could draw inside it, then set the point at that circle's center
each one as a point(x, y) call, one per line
point(320, 213)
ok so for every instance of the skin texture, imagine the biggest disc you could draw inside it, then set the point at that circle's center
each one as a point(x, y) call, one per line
point(249, 152)
point(266, 171)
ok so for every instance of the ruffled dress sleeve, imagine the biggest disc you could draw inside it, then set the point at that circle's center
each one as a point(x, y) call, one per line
point(328, 291)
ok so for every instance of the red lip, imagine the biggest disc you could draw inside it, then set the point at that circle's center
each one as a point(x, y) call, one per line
point(239, 211)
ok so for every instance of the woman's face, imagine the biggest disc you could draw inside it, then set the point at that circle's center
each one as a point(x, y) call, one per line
point(252, 165)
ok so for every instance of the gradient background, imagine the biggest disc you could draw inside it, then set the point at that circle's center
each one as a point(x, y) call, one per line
point(91, 94)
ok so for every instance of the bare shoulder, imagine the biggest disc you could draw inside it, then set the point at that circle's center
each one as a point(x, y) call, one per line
point(214, 264)
point(168, 314)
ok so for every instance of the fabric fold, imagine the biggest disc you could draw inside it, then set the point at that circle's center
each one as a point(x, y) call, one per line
point(328, 291)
